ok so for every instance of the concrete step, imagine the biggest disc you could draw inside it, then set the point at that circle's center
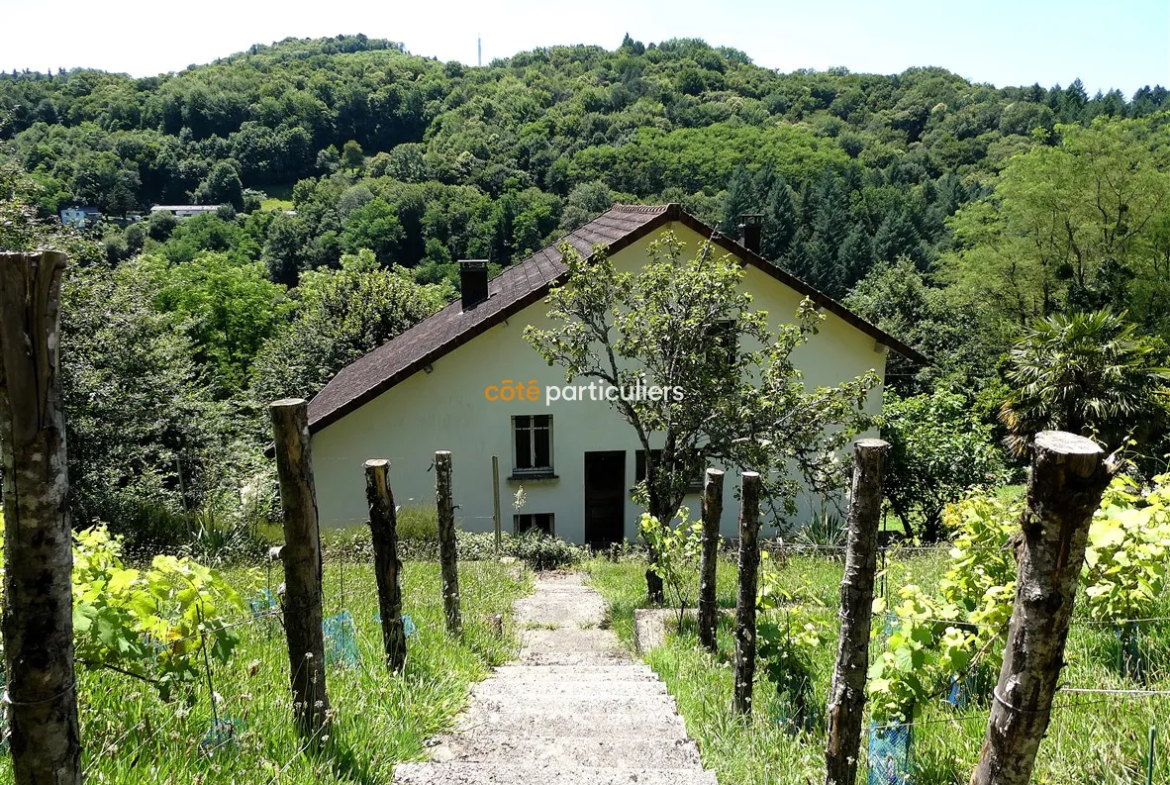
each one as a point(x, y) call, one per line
point(568, 689)
point(567, 751)
point(528, 721)
point(502, 774)
point(572, 613)
point(632, 704)
point(569, 640)
point(576, 673)
point(546, 579)
point(573, 658)
point(558, 589)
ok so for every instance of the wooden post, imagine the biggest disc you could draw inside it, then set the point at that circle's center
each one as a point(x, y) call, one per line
point(496, 503)
point(38, 549)
point(1068, 478)
point(712, 513)
point(384, 537)
point(448, 548)
point(745, 604)
point(301, 556)
point(847, 693)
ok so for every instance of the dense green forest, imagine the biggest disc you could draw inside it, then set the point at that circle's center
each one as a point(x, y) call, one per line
point(351, 175)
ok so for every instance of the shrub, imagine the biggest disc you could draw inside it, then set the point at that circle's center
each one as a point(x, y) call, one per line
point(160, 624)
point(788, 641)
point(418, 524)
point(935, 640)
point(1128, 556)
point(542, 552)
point(678, 549)
point(825, 530)
point(938, 453)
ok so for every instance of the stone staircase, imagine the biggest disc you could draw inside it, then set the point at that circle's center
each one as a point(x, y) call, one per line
point(574, 709)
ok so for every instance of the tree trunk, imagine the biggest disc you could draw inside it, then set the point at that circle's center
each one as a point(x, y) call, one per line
point(745, 604)
point(301, 556)
point(384, 537)
point(448, 548)
point(38, 547)
point(847, 693)
point(1069, 476)
point(712, 512)
point(932, 531)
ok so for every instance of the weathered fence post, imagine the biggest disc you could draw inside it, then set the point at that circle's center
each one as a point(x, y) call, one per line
point(712, 512)
point(384, 538)
point(38, 549)
point(847, 693)
point(301, 556)
point(745, 604)
point(448, 548)
point(1069, 475)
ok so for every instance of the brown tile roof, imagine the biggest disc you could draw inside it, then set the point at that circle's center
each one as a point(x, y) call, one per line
point(518, 287)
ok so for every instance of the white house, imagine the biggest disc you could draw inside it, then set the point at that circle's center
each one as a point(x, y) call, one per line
point(79, 217)
point(437, 386)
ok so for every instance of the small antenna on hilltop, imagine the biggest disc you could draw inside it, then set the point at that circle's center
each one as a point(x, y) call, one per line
point(479, 45)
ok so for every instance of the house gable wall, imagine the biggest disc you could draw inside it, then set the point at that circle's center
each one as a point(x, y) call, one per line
point(446, 409)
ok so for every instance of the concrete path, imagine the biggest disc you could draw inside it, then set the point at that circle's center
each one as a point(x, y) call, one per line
point(574, 709)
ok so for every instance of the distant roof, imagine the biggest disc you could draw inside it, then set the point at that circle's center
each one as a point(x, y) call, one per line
point(524, 284)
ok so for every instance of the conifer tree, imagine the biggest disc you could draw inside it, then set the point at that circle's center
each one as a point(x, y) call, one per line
point(780, 222)
point(854, 259)
point(897, 238)
point(740, 199)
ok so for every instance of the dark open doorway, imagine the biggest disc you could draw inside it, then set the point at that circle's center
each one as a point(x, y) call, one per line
point(605, 498)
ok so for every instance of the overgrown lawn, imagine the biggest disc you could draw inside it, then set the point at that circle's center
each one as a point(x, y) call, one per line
point(1093, 738)
point(130, 736)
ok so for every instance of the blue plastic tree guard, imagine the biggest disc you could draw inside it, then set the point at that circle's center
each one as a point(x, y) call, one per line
point(408, 626)
point(962, 690)
point(264, 610)
point(889, 754)
point(222, 735)
point(341, 641)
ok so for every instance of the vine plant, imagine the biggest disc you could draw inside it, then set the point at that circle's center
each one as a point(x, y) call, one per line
point(935, 640)
point(788, 638)
point(152, 624)
point(679, 548)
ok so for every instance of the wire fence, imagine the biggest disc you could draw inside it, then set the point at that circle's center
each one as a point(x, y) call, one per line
point(207, 726)
point(347, 581)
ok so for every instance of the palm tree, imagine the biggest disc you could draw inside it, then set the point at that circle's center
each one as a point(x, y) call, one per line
point(1087, 373)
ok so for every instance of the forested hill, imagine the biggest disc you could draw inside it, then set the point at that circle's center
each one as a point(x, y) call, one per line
point(494, 161)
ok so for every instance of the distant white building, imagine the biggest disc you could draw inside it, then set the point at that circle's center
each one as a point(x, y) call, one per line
point(81, 216)
point(184, 210)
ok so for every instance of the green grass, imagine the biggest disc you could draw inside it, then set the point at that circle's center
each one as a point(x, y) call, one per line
point(131, 736)
point(1093, 739)
point(277, 197)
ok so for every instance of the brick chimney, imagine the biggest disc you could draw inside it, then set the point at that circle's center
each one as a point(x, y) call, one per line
point(750, 229)
point(473, 282)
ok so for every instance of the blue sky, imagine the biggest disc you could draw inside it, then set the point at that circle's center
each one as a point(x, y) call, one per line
point(1108, 43)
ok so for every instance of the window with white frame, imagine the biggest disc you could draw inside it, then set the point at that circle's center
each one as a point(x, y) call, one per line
point(532, 444)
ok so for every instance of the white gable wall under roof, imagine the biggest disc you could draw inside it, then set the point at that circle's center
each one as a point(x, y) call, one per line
point(446, 409)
